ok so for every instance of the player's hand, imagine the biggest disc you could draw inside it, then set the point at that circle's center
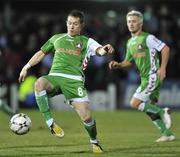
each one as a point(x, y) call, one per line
point(113, 65)
point(161, 73)
point(22, 75)
point(108, 48)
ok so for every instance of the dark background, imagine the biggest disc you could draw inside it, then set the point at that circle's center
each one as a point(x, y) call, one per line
point(26, 24)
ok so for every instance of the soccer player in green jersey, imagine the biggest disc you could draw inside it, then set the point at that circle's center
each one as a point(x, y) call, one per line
point(142, 49)
point(71, 54)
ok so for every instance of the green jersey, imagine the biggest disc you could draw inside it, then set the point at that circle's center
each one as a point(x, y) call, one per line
point(70, 54)
point(142, 50)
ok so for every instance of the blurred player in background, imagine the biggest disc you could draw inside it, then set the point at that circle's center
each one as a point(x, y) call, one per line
point(142, 49)
point(5, 108)
point(71, 54)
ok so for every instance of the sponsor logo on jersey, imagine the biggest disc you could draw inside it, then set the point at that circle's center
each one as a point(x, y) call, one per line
point(76, 53)
point(139, 54)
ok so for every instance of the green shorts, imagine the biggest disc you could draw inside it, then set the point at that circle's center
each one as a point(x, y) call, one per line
point(149, 89)
point(73, 90)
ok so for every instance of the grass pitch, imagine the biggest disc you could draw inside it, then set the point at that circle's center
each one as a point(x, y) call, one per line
point(121, 133)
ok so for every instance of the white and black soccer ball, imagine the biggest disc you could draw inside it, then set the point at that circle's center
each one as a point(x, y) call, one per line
point(20, 124)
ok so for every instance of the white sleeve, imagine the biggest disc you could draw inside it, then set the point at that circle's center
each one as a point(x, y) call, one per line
point(92, 45)
point(154, 43)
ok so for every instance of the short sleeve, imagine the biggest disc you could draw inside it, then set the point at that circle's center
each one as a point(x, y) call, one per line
point(92, 46)
point(154, 43)
point(48, 47)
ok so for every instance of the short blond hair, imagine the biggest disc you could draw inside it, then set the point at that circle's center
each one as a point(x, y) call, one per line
point(135, 13)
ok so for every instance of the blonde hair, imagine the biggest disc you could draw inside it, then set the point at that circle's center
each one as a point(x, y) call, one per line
point(135, 13)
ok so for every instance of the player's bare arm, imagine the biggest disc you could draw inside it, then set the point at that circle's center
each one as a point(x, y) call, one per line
point(36, 58)
point(105, 50)
point(116, 65)
point(164, 60)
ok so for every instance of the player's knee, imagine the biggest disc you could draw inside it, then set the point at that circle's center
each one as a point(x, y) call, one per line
point(39, 85)
point(86, 117)
point(82, 108)
point(134, 104)
point(87, 120)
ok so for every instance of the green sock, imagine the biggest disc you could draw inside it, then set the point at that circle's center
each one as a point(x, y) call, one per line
point(167, 132)
point(151, 108)
point(160, 125)
point(6, 109)
point(42, 101)
point(156, 114)
point(91, 129)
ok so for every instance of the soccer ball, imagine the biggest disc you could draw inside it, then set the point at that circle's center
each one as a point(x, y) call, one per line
point(20, 124)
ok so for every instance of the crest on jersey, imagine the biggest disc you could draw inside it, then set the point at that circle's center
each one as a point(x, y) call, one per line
point(78, 46)
point(140, 52)
point(140, 47)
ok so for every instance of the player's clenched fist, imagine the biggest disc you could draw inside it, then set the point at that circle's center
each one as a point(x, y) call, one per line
point(108, 48)
point(113, 65)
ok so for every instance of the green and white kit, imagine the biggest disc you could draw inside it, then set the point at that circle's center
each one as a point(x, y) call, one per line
point(143, 50)
point(71, 55)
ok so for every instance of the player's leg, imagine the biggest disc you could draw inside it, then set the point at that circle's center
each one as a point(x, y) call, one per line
point(146, 107)
point(164, 123)
point(166, 134)
point(76, 96)
point(157, 121)
point(156, 114)
point(5, 108)
point(166, 117)
point(148, 92)
point(82, 108)
point(42, 87)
